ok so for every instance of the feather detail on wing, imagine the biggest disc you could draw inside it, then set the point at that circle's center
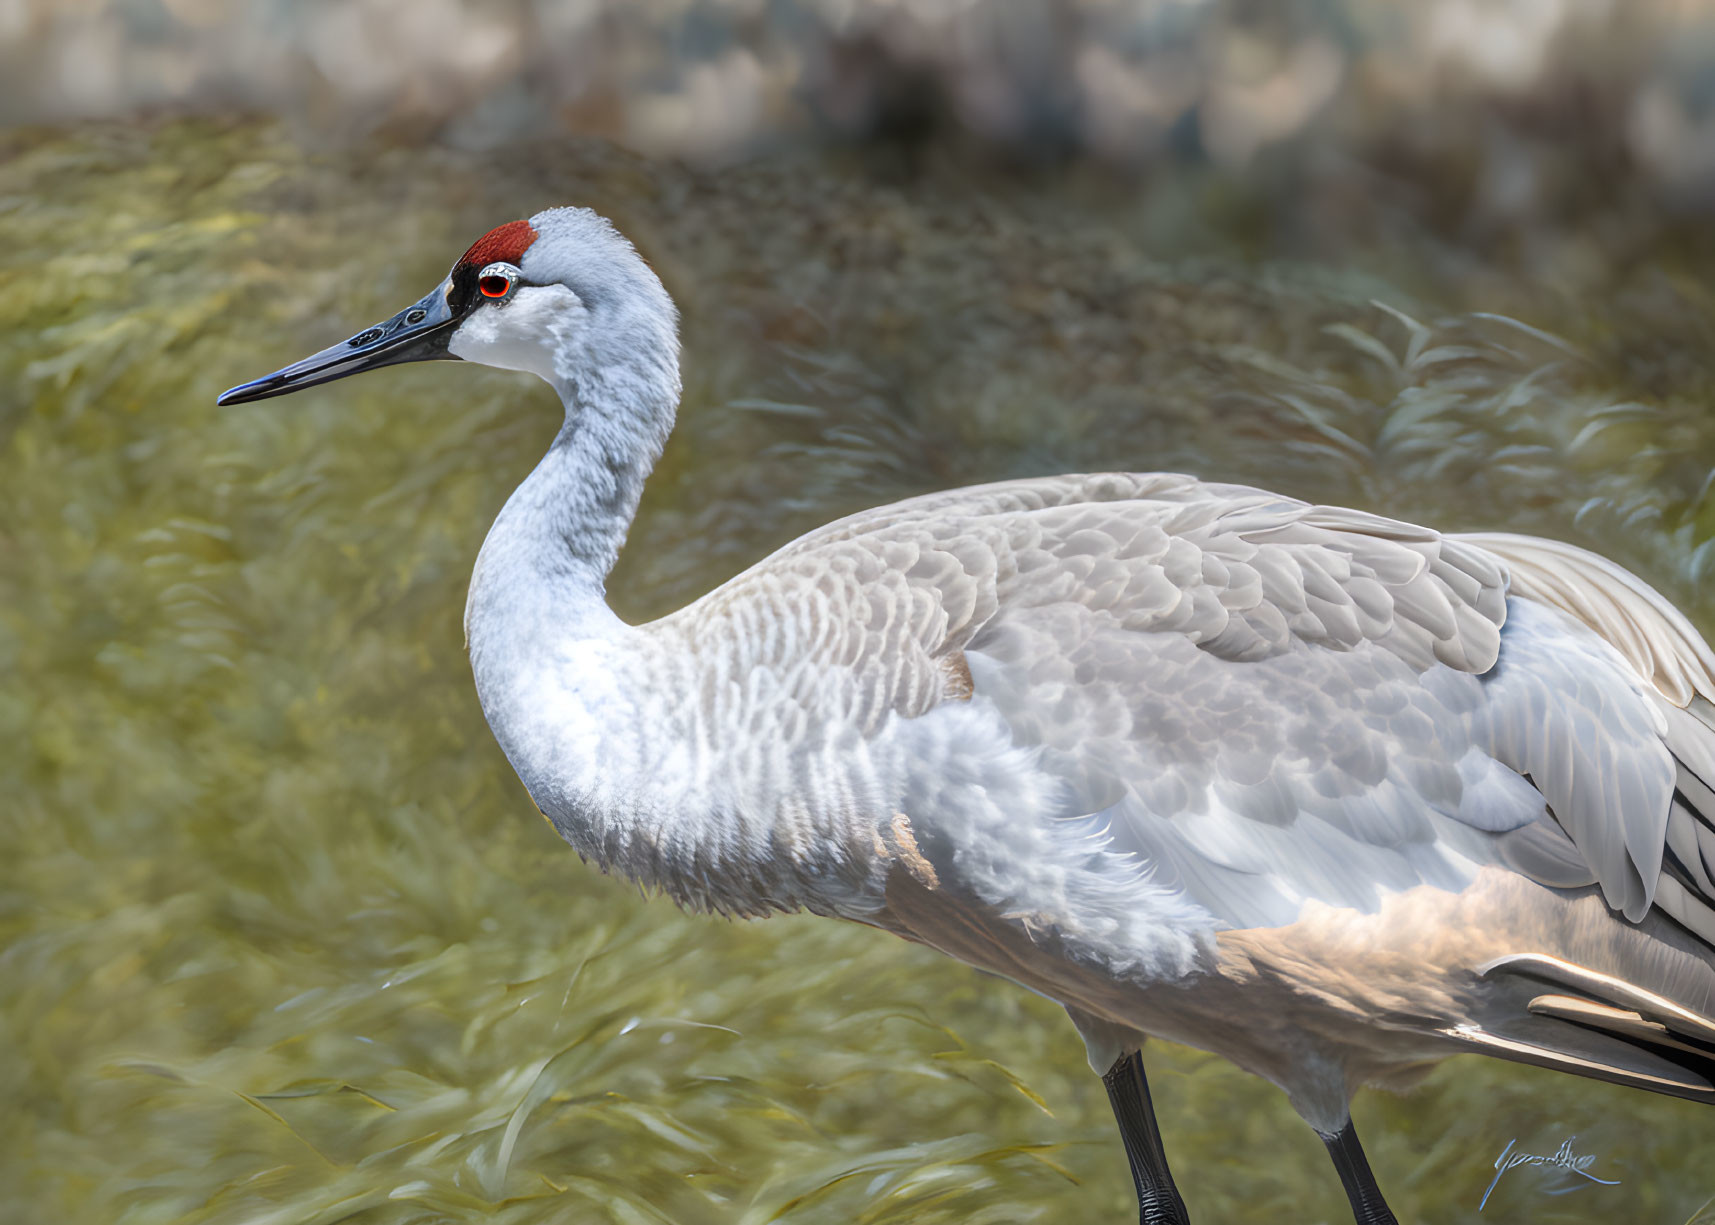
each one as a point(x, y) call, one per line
point(1627, 613)
point(1666, 651)
point(1265, 701)
point(1241, 572)
point(1194, 667)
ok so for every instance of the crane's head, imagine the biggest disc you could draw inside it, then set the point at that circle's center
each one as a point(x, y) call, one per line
point(551, 295)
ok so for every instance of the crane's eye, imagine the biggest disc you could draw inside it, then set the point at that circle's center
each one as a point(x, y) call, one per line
point(496, 281)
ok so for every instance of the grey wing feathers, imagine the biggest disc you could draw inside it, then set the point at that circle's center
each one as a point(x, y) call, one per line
point(1171, 647)
point(1121, 626)
point(1663, 648)
point(1243, 573)
point(897, 592)
point(852, 632)
point(1626, 612)
point(1269, 703)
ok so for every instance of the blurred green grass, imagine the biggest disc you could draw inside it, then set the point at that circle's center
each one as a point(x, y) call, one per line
point(280, 938)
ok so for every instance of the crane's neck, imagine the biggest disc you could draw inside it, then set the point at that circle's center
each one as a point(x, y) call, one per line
point(602, 720)
point(550, 550)
point(550, 658)
point(594, 714)
point(561, 530)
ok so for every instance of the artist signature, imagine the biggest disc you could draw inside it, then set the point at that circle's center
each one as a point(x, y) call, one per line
point(1563, 1158)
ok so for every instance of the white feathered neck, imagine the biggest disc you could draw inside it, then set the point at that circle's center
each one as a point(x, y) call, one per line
point(555, 669)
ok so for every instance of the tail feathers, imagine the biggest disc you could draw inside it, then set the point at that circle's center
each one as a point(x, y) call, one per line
point(1655, 1028)
point(1686, 890)
point(1607, 989)
point(1634, 617)
point(1668, 652)
point(1596, 1025)
point(1631, 1026)
point(1586, 1052)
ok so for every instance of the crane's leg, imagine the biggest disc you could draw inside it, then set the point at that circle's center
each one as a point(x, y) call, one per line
point(1157, 1198)
point(1368, 1206)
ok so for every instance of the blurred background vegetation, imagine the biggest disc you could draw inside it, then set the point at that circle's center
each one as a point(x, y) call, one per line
point(281, 939)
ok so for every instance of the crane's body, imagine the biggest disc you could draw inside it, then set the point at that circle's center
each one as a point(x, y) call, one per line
point(1325, 793)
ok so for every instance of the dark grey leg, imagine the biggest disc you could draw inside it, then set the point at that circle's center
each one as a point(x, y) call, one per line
point(1157, 1198)
point(1368, 1206)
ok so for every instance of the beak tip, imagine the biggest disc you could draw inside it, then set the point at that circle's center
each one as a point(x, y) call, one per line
point(244, 393)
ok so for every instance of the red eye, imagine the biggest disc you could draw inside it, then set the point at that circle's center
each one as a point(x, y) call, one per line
point(494, 286)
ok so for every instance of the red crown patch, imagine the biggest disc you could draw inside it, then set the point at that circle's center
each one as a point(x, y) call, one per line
point(504, 243)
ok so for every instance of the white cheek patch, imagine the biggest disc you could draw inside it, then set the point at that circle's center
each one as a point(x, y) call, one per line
point(524, 332)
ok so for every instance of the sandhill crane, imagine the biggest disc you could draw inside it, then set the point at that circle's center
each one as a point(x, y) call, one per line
point(1325, 793)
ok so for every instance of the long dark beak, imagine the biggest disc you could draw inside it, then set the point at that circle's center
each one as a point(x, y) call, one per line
point(418, 333)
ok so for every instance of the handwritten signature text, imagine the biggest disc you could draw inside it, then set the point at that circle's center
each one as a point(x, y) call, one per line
point(1562, 1158)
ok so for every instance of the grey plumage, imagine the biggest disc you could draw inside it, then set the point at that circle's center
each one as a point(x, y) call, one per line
point(1239, 705)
